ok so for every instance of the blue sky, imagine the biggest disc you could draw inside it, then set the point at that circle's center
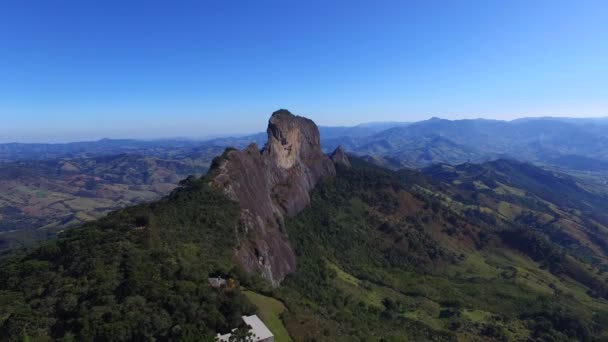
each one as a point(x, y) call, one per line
point(81, 70)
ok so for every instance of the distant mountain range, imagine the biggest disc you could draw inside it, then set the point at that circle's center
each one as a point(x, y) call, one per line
point(329, 248)
point(581, 144)
point(39, 181)
point(163, 148)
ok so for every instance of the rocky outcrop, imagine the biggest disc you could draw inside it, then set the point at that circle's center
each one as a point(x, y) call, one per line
point(270, 184)
point(339, 157)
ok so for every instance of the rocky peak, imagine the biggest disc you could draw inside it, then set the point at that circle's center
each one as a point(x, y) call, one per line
point(291, 138)
point(269, 185)
point(339, 157)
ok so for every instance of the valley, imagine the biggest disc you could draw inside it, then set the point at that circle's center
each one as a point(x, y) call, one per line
point(40, 198)
point(48, 187)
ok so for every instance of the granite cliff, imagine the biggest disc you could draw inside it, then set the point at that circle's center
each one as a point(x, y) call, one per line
point(269, 185)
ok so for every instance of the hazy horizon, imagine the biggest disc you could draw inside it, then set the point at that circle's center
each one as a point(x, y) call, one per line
point(75, 71)
point(227, 134)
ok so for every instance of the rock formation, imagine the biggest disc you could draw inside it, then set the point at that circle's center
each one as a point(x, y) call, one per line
point(339, 157)
point(270, 184)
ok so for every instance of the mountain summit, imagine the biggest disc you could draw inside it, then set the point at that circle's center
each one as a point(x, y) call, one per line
point(338, 156)
point(270, 184)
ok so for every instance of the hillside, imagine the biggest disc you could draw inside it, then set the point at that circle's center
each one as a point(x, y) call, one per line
point(405, 255)
point(137, 274)
point(38, 198)
point(497, 251)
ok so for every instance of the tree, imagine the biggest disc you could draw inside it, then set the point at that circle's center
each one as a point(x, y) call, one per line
point(242, 334)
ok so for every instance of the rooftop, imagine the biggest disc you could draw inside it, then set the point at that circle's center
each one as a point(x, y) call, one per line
point(258, 328)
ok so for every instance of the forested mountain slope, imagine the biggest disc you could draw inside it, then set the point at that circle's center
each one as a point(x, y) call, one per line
point(137, 274)
point(403, 256)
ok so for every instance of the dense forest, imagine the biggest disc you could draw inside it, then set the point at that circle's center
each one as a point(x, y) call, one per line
point(137, 274)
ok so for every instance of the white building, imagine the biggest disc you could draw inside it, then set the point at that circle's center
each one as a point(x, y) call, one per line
point(217, 282)
point(260, 332)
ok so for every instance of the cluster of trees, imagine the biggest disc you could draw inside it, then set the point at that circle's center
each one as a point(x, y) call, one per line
point(138, 274)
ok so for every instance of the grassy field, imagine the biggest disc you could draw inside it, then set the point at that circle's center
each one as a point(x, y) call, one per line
point(270, 311)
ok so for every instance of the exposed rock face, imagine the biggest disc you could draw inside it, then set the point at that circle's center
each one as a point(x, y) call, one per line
point(270, 184)
point(339, 157)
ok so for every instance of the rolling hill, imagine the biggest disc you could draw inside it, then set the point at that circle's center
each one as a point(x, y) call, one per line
point(39, 198)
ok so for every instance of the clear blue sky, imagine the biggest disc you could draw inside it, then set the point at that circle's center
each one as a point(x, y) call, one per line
point(79, 70)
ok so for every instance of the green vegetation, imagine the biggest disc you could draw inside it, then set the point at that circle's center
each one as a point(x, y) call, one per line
point(138, 274)
point(459, 253)
point(380, 260)
point(270, 311)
